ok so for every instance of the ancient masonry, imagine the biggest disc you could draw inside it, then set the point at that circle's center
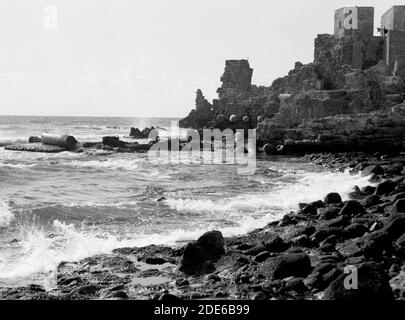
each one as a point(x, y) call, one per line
point(355, 76)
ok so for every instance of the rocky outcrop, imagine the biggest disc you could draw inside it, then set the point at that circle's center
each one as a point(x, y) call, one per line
point(376, 130)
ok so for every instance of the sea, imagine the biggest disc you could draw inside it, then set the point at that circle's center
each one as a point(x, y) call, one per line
point(68, 206)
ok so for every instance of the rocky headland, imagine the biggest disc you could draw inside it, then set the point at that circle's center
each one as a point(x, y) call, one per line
point(345, 110)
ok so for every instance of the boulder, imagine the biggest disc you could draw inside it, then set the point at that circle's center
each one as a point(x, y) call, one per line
point(373, 169)
point(352, 208)
point(287, 265)
point(212, 242)
point(333, 197)
point(309, 210)
point(355, 230)
point(194, 260)
point(371, 201)
point(399, 206)
point(196, 255)
point(328, 213)
point(385, 187)
point(372, 284)
point(396, 226)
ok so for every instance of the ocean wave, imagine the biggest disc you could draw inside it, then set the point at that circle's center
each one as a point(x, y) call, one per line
point(307, 187)
point(6, 216)
point(114, 164)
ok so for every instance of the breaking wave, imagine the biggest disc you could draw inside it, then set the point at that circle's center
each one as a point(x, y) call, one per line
point(6, 216)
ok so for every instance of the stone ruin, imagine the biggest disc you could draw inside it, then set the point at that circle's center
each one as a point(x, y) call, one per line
point(353, 72)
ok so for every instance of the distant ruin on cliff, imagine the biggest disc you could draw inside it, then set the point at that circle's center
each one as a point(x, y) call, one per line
point(353, 72)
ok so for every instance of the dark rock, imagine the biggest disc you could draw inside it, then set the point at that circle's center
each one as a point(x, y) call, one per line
point(169, 297)
point(327, 247)
point(325, 232)
point(375, 244)
point(256, 250)
point(373, 169)
point(309, 210)
point(117, 295)
point(340, 221)
point(275, 244)
point(212, 242)
point(155, 260)
point(372, 284)
point(333, 197)
point(371, 201)
point(385, 187)
point(302, 241)
point(352, 208)
point(286, 265)
point(355, 230)
point(394, 169)
point(399, 206)
point(395, 228)
point(318, 204)
point(369, 190)
point(328, 213)
point(194, 260)
point(262, 256)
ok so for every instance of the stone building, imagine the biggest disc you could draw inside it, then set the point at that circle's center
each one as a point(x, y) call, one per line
point(393, 32)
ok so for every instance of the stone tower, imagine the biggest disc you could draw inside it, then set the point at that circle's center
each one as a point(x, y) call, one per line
point(236, 80)
point(350, 21)
point(393, 31)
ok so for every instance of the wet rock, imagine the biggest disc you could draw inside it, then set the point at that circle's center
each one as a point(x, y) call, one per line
point(155, 260)
point(325, 232)
point(368, 190)
point(286, 265)
point(371, 201)
point(328, 213)
point(352, 208)
point(375, 244)
point(385, 187)
point(340, 221)
point(196, 255)
point(309, 210)
point(395, 227)
point(399, 206)
point(355, 230)
point(212, 242)
point(394, 169)
point(167, 297)
point(373, 169)
point(275, 244)
point(332, 198)
point(255, 250)
point(262, 256)
point(372, 284)
point(302, 241)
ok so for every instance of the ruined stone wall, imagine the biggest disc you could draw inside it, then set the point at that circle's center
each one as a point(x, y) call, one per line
point(395, 53)
point(354, 51)
point(236, 80)
point(379, 129)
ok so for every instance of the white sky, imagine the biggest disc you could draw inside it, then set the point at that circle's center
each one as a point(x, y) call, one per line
point(147, 57)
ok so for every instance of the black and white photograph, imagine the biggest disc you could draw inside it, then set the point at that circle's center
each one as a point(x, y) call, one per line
point(223, 151)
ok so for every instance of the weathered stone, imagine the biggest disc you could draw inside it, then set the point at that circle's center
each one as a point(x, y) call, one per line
point(372, 285)
point(287, 265)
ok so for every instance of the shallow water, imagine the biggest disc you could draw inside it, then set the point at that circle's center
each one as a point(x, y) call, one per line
point(65, 207)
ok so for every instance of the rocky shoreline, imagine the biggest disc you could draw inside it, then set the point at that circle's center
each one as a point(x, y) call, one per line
point(308, 254)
